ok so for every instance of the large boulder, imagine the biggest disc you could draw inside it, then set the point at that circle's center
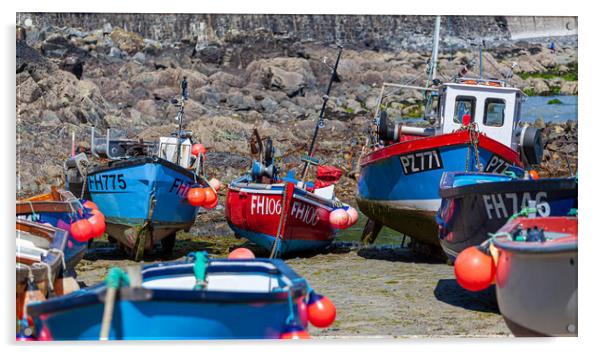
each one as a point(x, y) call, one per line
point(289, 75)
point(129, 42)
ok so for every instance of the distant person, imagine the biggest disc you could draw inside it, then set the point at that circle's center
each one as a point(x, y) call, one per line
point(552, 47)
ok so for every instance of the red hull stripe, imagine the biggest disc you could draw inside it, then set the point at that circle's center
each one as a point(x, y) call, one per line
point(457, 138)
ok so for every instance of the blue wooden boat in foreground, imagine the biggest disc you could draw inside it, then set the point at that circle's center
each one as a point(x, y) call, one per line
point(193, 299)
point(476, 204)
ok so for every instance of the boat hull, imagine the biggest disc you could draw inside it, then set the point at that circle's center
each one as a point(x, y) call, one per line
point(536, 285)
point(253, 212)
point(483, 203)
point(399, 184)
point(74, 250)
point(147, 313)
point(142, 190)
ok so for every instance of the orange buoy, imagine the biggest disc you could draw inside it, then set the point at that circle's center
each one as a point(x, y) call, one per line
point(98, 213)
point(339, 219)
point(90, 205)
point(241, 253)
point(81, 230)
point(196, 196)
point(212, 205)
point(98, 225)
point(215, 184)
point(353, 216)
point(533, 174)
point(210, 196)
point(321, 312)
point(198, 149)
point(474, 269)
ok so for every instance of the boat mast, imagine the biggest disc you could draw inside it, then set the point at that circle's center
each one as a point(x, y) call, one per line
point(320, 122)
point(184, 87)
point(435, 53)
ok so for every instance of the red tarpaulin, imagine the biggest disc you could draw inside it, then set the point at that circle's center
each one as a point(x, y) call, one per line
point(327, 175)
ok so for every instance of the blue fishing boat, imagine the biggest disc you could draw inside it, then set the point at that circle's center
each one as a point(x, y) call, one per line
point(60, 209)
point(476, 204)
point(472, 125)
point(192, 299)
point(143, 189)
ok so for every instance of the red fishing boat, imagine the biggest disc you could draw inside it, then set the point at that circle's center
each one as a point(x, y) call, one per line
point(288, 214)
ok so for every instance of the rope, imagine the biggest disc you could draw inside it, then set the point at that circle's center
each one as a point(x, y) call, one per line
point(473, 135)
point(510, 174)
point(34, 216)
point(113, 281)
point(48, 276)
point(201, 260)
point(291, 314)
point(85, 177)
point(115, 277)
point(524, 212)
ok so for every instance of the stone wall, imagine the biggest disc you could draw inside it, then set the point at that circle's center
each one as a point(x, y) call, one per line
point(373, 32)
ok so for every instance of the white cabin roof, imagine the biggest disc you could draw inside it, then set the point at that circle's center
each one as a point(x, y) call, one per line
point(481, 87)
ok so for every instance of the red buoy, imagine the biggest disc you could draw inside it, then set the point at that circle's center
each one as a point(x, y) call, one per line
point(196, 196)
point(353, 216)
point(295, 332)
point(81, 230)
point(198, 149)
point(90, 205)
point(474, 269)
point(212, 205)
point(339, 218)
point(98, 225)
point(99, 214)
point(210, 196)
point(533, 174)
point(241, 253)
point(502, 269)
point(321, 312)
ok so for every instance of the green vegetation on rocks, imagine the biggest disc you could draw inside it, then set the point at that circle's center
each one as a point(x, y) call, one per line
point(568, 75)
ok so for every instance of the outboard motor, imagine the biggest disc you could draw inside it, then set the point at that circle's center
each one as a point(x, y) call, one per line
point(530, 144)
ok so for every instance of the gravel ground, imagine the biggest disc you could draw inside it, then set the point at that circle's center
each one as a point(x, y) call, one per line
point(380, 291)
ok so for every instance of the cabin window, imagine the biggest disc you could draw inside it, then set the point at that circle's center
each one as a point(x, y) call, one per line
point(464, 105)
point(494, 112)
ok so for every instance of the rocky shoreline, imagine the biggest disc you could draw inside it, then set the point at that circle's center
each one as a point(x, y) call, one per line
point(69, 79)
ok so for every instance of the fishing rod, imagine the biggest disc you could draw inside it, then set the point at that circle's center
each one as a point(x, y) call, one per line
point(320, 123)
point(184, 87)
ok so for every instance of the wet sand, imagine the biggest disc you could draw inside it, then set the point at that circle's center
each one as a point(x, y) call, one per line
point(380, 291)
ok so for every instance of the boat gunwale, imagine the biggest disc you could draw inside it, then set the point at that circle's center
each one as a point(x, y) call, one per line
point(567, 184)
point(139, 161)
point(238, 186)
point(439, 141)
point(505, 244)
